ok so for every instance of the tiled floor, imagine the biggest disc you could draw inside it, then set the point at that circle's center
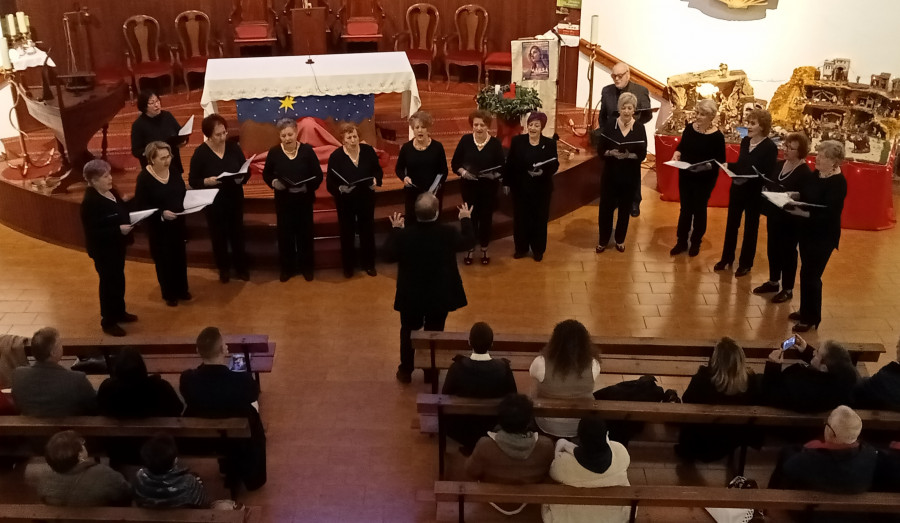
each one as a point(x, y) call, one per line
point(343, 439)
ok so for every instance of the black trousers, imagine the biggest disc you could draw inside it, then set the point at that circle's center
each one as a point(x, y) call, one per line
point(170, 257)
point(616, 192)
point(226, 229)
point(695, 190)
point(481, 195)
point(110, 266)
point(743, 200)
point(294, 213)
point(356, 213)
point(531, 212)
point(413, 321)
point(781, 248)
point(409, 207)
point(814, 255)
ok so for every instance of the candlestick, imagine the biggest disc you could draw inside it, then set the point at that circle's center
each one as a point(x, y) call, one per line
point(595, 28)
point(20, 17)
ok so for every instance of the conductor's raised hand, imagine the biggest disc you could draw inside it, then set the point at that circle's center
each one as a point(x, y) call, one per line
point(397, 220)
point(465, 211)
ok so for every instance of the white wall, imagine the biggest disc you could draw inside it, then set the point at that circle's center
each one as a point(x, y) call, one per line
point(668, 37)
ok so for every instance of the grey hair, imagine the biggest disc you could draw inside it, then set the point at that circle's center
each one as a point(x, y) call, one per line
point(284, 123)
point(707, 106)
point(95, 169)
point(831, 149)
point(627, 98)
point(627, 67)
point(427, 207)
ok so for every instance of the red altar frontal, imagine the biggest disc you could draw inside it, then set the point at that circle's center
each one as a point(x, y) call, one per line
point(869, 205)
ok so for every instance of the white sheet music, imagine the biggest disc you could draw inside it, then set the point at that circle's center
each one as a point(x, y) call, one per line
point(197, 199)
point(731, 173)
point(243, 170)
point(188, 127)
point(135, 217)
point(436, 184)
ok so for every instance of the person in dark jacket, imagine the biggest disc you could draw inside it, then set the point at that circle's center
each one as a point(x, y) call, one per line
point(107, 233)
point(155, 125)
point(882, 390)
point(77, 480)
point(212, 390)
point(428, 281)
point(725, 380)
point(823, 381)
point(164, 482)
point(421, 165)
point(477, 376)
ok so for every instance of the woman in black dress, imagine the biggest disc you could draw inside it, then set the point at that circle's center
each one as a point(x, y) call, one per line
point(155, 125)
point(530, 166)
point(781, 247)
point(225, 216)
point(293, 171)
point(624, 146)
point(758, 156)
point(478, 159)
point(702, 145)
point(421, 164)
point(353, 174)
point(107, 232)
point(819, 230)
point(160, 186)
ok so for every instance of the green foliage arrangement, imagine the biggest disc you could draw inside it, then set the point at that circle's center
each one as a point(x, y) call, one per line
point(526, 101)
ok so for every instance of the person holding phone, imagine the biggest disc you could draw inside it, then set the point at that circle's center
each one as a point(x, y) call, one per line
point(421, 164)
point(702, 145)
point(823, 380)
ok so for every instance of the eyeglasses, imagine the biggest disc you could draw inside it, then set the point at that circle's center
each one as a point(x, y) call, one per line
point(618, 76)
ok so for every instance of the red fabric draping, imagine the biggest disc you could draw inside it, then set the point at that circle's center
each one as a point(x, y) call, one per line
point(869, 205)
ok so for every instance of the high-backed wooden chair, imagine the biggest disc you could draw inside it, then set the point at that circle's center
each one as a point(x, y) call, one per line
point(253, 24)
point(361, 21)
point(497, 61)
point(422, 22)
point(146, 56)
point(468, 46)
point(194, 30)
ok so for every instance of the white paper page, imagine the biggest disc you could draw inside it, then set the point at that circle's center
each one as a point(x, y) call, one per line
point(778, 198)
point(199, 198)
point(243, 170)
point(188, 127)
point(677, 164)
point(435, 185)
point(137, 216)
point(731, 173)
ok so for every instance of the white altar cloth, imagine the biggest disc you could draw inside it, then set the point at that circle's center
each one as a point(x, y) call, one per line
point(330, 75)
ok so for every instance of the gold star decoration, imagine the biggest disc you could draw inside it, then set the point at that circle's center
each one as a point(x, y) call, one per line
point(287, 103)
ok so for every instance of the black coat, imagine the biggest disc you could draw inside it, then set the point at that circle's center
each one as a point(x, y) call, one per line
point(427, 274)
point(609, 104)
point(138, 398)
point(522, 158)
point(476, 379)
point(881, 391)
point(802, 388)
point(101, 218)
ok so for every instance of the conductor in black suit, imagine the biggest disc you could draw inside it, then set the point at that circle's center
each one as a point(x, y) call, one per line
point(428, 281)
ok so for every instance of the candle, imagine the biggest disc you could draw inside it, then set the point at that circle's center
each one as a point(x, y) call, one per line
point(11, 23)
point(20, 16)
point(497, 89)
point(27, 24)
point(4, 54)
point(595, 28)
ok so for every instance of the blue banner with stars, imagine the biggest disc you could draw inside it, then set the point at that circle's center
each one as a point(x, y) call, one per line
point(352, 107)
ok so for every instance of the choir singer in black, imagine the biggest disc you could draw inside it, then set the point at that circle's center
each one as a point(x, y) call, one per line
point(293, 171)
point(225, 217)
point(421, 164)
point(107, 233)
point(353, 174)
point(160, 186)
point(479, 160)
point(152, 125)
point(530, 166)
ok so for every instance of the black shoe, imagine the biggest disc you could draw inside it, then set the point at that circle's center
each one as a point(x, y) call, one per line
point(113, 330)
point(635, 212)
point(538, 257)
point(766, 288)
point(721, 265)
point(600, 248)
point(794, 316)
point(485, 259)
point(127, 318)
point(285, 276)
point(172, 303)
point(348, 273)
point(804, 327)
point(308, 275)
point(678, 249)
point(519, 255)
point(741, 271)
point(404, 376)
point(620, 247)
point(783, 296)
point(372, 272)
point(243, 275)
point(468, 259)
point(671, 396)
point(186, 296)
point(694, 250)
point(224, 276)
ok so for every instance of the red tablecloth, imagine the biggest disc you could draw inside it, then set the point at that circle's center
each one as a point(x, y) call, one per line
point(869, 205)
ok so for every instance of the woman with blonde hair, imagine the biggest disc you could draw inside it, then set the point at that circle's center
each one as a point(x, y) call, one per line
point(725, 380)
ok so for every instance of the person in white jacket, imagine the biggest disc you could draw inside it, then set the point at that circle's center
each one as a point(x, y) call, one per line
point(596, 462)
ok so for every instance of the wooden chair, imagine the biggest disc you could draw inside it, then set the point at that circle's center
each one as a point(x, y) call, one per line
point(497, 61)
point(145, 54)
point(361, 21)
point(470, 40)
point(422, 22)
point(254, 31)
point(193, 30)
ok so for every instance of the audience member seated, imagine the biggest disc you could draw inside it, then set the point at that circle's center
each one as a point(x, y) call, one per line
point(726, 380)
point(133, 393)
point(12, 355)
point(163, 482)
point(77, 480)
point(212, 390)
point(887, 474)
point(825, 381)
point(567, 368)
point(477, 376)
point(46, 388)
point(882, 390)
point(594, 462)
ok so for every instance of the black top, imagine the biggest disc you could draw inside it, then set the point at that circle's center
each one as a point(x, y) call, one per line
point(788, 182)
point(887, 474)
point(802, 388)
point(422, 166)
point(612, 134)
point(524, 157)
point(479, 379)
point(824, 223)
point(304, 166)
point(762, 157)
point(101, 218)
point(696, 147)
point(206, 163)
point(839, 471)
point(609, 104)
point(149, 193)
point(702, 390)
point(340, 165)
point(138, 398)
point(468, 157)
point(427, 275)
point(215, 391)
point(881, 391)
point(163, 128)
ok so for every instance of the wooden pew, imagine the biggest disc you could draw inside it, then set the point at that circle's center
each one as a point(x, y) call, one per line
point(662, 496)
point(48, 513)
point(99, 426)
point(657, 356)
point(443, 405)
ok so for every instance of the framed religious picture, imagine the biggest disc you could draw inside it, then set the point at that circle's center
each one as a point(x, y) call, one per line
point(536, 60)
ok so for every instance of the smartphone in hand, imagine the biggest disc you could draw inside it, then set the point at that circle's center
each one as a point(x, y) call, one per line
point(788, 343)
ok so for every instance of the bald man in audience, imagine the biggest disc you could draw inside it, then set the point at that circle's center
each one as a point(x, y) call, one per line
point(428, 283)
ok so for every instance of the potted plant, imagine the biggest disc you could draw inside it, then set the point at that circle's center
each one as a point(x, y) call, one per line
point(508, 104)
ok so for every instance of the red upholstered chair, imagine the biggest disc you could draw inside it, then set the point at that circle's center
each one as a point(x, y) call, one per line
point(193, 30)
point(469, 45)
point(422, 22)
point(497, 61)
point(146, 57)
point(250, 31)
point(361, 21)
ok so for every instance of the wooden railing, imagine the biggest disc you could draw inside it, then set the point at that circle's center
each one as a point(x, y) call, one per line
point(602, 57)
